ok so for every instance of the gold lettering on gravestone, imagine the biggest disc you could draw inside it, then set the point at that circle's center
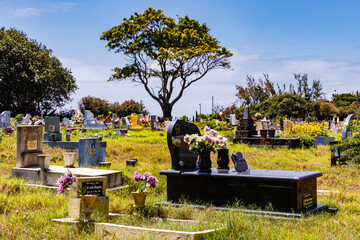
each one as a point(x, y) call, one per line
point(177, 129)
point(92, 149)
point(32, 145)
point(51, 128)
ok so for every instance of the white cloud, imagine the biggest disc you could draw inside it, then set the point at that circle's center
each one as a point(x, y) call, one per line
point(29, 11)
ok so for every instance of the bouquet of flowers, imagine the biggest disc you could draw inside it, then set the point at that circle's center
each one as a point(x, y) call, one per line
point(65, 181)
point(9, 129)
point(210, 141)
point(146, 180)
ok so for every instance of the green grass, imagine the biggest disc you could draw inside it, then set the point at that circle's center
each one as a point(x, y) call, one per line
point(26, 212)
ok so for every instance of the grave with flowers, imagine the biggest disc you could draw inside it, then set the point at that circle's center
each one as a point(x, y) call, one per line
point(34, 166)
point(291, 193)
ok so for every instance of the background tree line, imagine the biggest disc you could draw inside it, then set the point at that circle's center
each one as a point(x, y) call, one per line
point(299, 101)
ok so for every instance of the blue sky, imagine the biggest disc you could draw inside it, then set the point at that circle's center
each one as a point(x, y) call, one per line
point(321, 38)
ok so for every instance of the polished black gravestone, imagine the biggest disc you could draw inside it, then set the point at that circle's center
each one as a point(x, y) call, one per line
point(287, 191)
point(181, 157)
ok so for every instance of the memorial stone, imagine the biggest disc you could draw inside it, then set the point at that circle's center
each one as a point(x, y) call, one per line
point(65, 121)
point(115, 121)
point(153, 122)
point(181, 157)
point(90, 122)
point(346, 132)
point(27, 119)
point(52, 129)
point(233, 120)
point(28, 145)
point(91, 152)
point(5, 119)
point(126, 123)
point(89, 186)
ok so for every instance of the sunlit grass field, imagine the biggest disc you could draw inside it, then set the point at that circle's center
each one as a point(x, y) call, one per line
point(26, 212)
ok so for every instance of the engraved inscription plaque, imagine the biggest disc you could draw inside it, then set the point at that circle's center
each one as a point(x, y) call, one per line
point(32, 145)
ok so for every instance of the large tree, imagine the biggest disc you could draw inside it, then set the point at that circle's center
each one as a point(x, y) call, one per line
point(31, 79)
point(164, 55)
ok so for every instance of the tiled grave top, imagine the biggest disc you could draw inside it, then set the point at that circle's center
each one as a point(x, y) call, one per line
point(278, 175)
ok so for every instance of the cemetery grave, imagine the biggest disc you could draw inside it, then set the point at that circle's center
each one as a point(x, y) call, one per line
point(246, 133)
point(234, 225)
point(29, 146)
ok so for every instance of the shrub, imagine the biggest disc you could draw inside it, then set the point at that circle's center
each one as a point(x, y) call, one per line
point(312, 129)
point(306, 141)
point(214, 124)
point(128, 107)
point(96, 105)
point(19, 117)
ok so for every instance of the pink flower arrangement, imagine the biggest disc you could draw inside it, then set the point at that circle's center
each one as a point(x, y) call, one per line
point(147, 179)
point(64, 182)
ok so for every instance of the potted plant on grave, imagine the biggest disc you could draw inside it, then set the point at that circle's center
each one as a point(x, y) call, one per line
point(203, 145)
point(141, 183)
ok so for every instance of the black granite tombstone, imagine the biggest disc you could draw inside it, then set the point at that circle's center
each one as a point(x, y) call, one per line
point(181, 157)
point(239, 162)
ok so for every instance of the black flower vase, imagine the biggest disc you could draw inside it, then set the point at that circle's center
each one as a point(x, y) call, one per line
point(223, 159)
point(204, 162)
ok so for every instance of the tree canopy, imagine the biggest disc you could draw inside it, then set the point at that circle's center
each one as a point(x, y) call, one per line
point(31, 79)
point(164, 55)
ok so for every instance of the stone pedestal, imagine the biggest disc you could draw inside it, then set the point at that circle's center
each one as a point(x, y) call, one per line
point(28, 145)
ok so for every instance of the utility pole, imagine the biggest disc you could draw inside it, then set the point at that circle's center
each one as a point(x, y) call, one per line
point(212, 104)
point(200, 107)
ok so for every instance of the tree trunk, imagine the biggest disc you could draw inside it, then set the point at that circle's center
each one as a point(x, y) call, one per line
point(166, 108)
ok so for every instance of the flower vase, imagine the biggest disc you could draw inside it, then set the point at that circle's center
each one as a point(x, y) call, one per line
point(223, 158)
point(67, 136)
point(69, 159)
point(139, 198)
point(204, 162)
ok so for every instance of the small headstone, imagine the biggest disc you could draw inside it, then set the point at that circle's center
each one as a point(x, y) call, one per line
point(28, 145)
point(121, 132)
point(115, 121)
point(5, 119)
point(65, 121)
point(346, 132)
point(239, 162)
point(233, 120)
point(181, 157)
point(153, 122)
point(126, 123)
point(27, 119)
point(52, 129)
point(91, 153)
point(89, 117)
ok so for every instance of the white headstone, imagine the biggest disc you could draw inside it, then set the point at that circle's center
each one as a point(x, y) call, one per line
point(5, 119)
point(125, 122)
point(233, 120)
point(89, 117)
point(65, 121)
point(27, 119)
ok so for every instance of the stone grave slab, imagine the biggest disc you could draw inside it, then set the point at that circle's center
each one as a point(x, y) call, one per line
point(34, 175)
point(181, 157)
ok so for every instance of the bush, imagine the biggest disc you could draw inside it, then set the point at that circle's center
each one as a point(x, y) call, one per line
point(19, 117)
point(215, 124)
point(96, 105)
point(306, 141)
point(128, 107)
point(312, 129)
